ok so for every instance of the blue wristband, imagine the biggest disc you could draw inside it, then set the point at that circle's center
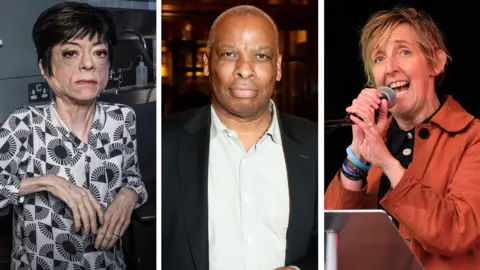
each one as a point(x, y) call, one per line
point(357, 162)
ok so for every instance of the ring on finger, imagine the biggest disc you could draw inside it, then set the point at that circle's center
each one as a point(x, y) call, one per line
point(370, 125)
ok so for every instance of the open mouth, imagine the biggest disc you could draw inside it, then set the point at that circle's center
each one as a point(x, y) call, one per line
point(400, 87)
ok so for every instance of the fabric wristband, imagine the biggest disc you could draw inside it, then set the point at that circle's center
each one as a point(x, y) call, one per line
point(350, 174)
point(353, 167)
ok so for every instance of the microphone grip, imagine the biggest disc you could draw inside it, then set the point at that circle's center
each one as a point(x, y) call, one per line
point(347, 117)
point(346, 121)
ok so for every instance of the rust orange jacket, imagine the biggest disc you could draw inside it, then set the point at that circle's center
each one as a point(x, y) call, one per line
point(437, 201)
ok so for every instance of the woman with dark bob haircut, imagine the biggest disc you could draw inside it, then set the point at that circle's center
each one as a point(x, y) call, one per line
point(69, 168)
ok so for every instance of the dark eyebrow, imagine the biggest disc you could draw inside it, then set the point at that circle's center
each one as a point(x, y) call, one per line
point(99, 43)
point(71, 43)
point(78, 45)
point(232, 47)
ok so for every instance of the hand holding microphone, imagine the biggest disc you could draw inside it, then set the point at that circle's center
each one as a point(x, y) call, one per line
point(368, 114)
point(382, 93)
point(372, 98)
point(366, 106)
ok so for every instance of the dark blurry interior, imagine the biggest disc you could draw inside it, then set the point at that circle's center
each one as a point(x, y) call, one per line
point(185, 27)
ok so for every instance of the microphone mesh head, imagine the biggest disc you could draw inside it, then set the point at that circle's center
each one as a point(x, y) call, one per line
point(390, 94)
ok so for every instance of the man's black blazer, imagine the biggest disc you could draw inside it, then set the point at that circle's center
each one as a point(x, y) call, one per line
point(185, 149)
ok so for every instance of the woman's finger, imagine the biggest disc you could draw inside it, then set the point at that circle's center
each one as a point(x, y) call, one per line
point(96, 207)
point(91, 213)
point(111, 227)
point(77, 219)
point(83, 214)
point(116, 234)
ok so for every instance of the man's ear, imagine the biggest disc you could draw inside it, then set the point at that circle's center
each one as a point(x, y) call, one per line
point(279, 68)
point(206, 71)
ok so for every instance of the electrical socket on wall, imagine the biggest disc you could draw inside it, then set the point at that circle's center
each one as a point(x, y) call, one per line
point(38, 92)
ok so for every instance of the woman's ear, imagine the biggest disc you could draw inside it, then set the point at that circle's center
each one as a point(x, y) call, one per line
point(42, 71)
point(438, 64)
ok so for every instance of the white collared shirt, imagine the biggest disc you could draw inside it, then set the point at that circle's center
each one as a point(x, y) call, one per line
point(248, 199)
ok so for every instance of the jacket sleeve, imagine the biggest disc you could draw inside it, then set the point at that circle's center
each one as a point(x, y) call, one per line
point(447, 225)
point(131, 171)
point(14, 143)
point(338, 197)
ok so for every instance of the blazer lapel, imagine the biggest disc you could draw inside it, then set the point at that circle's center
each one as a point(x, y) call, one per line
point(193, 170)
point(302, 187)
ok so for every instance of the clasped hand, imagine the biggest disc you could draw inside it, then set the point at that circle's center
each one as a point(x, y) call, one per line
point(367, 142)
point(85, 209)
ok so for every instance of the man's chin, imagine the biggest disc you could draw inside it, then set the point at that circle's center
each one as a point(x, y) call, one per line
point(247, 111)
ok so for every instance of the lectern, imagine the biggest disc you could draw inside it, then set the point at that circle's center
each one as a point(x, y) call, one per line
point(365, 239)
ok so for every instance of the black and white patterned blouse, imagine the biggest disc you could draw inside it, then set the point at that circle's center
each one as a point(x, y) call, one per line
point(34, 142)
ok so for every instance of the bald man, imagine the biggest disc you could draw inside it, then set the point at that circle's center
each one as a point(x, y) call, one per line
point(239, 178)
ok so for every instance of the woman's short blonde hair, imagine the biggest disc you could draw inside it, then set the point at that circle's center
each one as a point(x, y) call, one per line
point(381, 24)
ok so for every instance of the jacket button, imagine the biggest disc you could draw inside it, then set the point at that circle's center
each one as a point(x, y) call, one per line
point(424, 133)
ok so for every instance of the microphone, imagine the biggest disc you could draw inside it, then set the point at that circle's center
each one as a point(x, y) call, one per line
point(387, 93)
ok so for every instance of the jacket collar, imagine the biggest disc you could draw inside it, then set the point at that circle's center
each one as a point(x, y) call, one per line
point(452, 117)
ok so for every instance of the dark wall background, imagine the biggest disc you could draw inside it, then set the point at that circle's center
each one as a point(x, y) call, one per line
point(344, 77)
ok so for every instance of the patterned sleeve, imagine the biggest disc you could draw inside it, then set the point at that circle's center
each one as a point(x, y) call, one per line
point(15, 142)
point(131, 171)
